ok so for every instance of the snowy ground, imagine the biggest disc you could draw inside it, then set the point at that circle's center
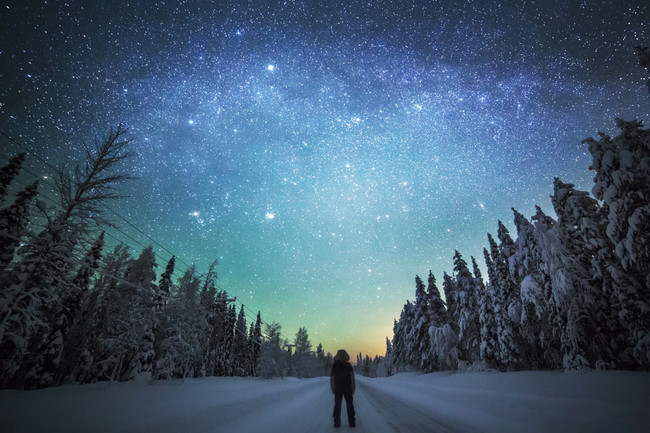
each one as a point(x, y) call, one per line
point(440, 402)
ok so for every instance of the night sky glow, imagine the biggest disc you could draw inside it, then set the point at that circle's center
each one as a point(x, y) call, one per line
point(324, 152)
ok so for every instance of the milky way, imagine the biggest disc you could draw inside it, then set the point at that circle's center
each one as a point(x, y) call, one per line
point(323, 152)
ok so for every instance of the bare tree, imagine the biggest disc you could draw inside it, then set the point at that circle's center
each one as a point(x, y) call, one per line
point(84, 194)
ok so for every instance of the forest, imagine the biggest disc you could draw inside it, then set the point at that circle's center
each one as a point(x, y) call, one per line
point(570, 292)
point(72, 313)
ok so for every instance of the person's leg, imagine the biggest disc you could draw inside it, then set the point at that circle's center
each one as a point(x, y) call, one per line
point(350, 409)
point(338, 397)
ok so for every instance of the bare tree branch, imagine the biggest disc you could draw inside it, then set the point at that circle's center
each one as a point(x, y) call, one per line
point(92, 185)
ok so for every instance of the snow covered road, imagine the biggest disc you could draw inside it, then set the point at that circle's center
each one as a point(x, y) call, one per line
point(381, 411)
point(310, 409)
point(307, 407)
point(211, 405)
point(444, 402)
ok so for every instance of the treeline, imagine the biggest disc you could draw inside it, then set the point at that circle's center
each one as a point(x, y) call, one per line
point(299, 360)
point(571, 292)
point(369, 367)
point(71, 313)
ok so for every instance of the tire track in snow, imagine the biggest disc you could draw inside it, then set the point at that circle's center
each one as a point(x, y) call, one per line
point(265, 412)
point(380, 412)
point(306, 410)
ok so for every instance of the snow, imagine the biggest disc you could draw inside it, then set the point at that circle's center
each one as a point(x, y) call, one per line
point(521, 402)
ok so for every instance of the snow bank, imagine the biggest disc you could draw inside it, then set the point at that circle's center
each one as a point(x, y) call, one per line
point(591, 401)
point(191, 406)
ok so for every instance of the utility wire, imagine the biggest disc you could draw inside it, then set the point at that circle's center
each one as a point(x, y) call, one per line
point(114, 277)
point(113, 211)
point(54, 188)
point(56, 203)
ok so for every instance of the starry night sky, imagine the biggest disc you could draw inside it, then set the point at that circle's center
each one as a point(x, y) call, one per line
point(324, 152)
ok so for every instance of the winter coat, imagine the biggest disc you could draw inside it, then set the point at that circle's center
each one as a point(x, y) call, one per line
point(342, 378)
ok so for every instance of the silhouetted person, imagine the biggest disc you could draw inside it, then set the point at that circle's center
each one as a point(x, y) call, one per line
point(343, 385)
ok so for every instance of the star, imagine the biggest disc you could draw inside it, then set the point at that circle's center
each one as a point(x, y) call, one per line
point(401, 135)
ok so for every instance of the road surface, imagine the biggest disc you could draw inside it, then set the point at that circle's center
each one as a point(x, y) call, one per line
point(443, 402)
point(308, 409)
point(217, 405)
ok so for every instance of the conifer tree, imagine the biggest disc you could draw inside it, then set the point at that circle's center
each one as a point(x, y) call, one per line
point(622, 182)
point(221, 336)
point(189, 285)
point(256, 343)
point(302, 354)
point(47, 364)
point(467, 310)
point(410, 354)
point(41, 284)
point(387, 363)
point(508, 249)
point(401, 330)
point(206, 300)
point(421, 323)
point(488, 335)
point(538, 323)
point(438, 310)
point(582, 233)
point(449, 288)
point(444, 338)
point(501, 283)
point(240, 344)
point(272, 360)
point(165, 283)
point(113, 269)
point(141, 276)
point(9, 172)
point(88, 266)
point(444, 343)
point(228, 357)
point(105, 304)
point(161, 299)
point(126, 318)
point(507, 246)
point(77, 359)
point(569, 297)
point(322, 368)
point(209, 289)
point(436, 317)
point(13, 224)
point(173, 350)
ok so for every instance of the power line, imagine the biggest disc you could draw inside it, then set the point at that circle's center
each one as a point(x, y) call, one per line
point(106, 206)
point(54, 187)
point(27, 149)
point(112, 226)
point(55, 202)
